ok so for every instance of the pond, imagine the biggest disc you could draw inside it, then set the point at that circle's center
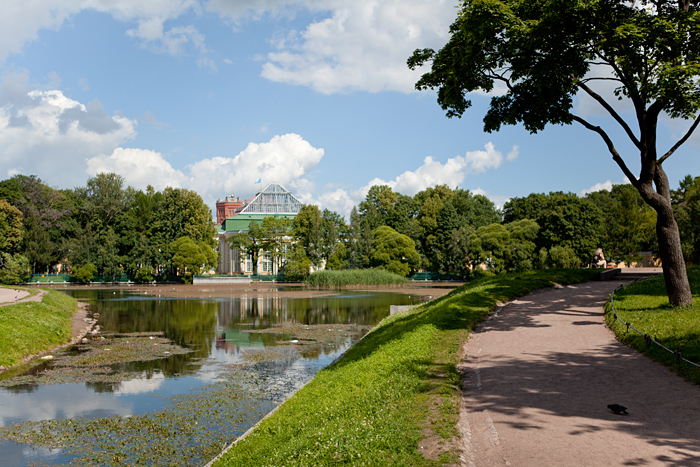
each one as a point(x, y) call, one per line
point(171, 381)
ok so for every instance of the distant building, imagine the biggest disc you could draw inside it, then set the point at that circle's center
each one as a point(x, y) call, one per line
point(234, 216)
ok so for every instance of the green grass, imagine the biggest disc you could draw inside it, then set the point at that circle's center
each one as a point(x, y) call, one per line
point(392, 389)
point(354, 277)
point(645, 305)
point(30, 327)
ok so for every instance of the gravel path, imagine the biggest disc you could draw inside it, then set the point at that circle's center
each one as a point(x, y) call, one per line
point(538, 378)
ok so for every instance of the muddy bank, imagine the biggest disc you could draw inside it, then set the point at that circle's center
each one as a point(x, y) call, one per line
point(266, 289)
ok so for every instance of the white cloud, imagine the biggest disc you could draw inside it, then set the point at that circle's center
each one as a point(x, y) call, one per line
point(21, 21)
point(286, 159)
point(42, 132)
point(140, 386)
point(140, 167)
point(173, 41)
point(358, 45)
point(606, 185)
point(451, 173)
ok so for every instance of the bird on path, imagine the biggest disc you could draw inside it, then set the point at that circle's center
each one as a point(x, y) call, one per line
point(618, 409)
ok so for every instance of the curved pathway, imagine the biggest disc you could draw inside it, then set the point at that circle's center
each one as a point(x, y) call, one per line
point(539, 375)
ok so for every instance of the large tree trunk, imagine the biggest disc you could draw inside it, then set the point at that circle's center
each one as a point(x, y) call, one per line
point(675, 274)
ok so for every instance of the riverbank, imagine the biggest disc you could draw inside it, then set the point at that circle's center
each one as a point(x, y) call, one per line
point(430, 290)
point(393, 399)
point(39, 322)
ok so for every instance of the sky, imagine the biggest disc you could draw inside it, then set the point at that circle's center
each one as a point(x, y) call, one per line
point(212, 95)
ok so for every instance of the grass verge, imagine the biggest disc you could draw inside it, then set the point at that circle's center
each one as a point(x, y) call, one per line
point(645, 305)
point(393, 399)
point(353, 277)
point(30, 327)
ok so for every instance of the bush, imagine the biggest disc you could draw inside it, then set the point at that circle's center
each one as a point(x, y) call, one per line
point(144, 274)
point(563, 257)
point(85, 273)
point(15, 269)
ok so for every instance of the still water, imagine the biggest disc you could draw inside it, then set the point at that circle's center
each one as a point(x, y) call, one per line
point(214, 386)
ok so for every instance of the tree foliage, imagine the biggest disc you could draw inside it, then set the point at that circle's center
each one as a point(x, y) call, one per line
point(393, 251)
point(544, 53)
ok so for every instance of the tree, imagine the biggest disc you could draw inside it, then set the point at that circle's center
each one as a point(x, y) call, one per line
point(521, 247)
point(15, 268)
point(629, 222)
point(489, 246)
point(378, 206)
point(274, 233)
point(85, 273)
point(565, 220)
point(393, 251)
point(544, 53)
point(308, 227)
point(687, 208)
point(189, 256)
point(249, 242)
point(10, 227)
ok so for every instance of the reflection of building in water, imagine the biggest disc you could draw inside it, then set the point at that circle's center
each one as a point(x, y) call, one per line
point(234, 216)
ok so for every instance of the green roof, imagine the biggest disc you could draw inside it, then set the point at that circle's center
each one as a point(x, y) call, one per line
point(241, 221)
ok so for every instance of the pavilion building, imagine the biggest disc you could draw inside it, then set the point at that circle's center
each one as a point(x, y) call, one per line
point(234, 216)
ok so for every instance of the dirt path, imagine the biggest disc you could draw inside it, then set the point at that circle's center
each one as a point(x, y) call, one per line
point(539, 377)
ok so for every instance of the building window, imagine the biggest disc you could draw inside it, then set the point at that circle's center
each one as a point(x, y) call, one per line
point(267, 263)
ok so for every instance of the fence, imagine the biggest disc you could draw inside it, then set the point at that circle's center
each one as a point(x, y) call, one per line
point(648, 340)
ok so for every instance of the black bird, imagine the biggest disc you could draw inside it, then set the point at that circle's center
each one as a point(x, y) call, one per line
point(618, 409)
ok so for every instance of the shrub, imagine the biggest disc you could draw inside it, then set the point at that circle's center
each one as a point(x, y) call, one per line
point(15, 269)
point(85, 273)
point(563, 257)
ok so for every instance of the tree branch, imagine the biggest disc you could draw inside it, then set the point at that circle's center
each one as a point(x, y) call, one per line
point(611, 148)
point(681, 141)
point(611, 111)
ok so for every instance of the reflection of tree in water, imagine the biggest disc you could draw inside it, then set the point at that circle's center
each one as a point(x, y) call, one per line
point(261, 312)
point(188, 323)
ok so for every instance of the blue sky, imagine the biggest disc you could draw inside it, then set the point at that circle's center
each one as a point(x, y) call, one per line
point(211, 95)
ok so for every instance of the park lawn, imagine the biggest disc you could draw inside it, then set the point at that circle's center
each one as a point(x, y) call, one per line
point(394, 392)
point(30, 327)
point(645, 305)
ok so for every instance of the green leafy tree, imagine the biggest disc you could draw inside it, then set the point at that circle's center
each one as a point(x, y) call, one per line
point(378, 206)
point(249, 243)
point(521, 246)
point(308, 232)
point(544, 53)
point(563, 257)
point(564, 220)
point(489, 246)
point(687, 209)
point(275, 236)
point(10, 227)
point(359, 241)
point(14, 268)
point(189, 257)
point(85, 273)
point(297, 265)
point(393, 251)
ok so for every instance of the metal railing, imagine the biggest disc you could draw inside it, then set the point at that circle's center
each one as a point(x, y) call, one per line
point(648, 340)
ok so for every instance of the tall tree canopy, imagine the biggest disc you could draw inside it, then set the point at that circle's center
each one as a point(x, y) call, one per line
point(544, 52)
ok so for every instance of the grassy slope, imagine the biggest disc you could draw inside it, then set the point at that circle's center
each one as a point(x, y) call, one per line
point(30, 327)
point(645, 305)
point(391, 390)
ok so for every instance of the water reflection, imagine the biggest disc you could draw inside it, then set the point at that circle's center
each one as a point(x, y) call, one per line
point(213, 329)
